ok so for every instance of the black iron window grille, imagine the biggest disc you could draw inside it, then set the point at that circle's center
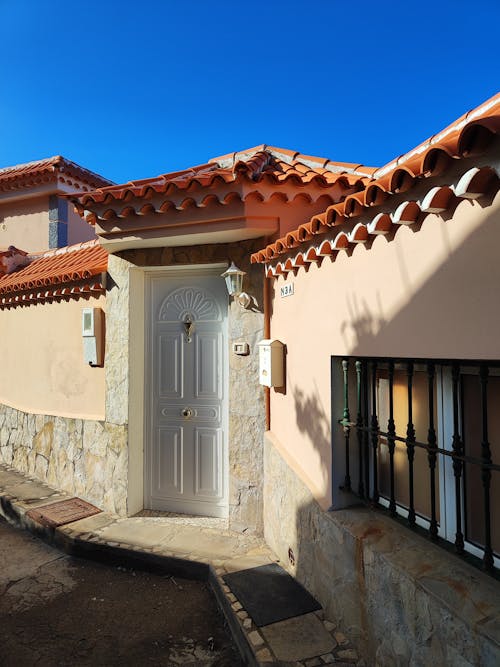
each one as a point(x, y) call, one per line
point(422, 439)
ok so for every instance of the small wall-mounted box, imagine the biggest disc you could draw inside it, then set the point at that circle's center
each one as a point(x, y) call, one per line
point(243, 349)
point(92, 335)
point(271, 363)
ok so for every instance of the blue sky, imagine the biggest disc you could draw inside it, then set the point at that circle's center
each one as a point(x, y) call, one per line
point(134, 89)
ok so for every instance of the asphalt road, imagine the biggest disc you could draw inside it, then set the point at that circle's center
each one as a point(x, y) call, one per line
point(58, 610)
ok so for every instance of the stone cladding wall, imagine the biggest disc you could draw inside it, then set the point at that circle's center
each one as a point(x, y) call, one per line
point(82, 457)
point(401, 599)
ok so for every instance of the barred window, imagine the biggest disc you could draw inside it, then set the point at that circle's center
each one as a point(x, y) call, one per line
point(422, 439)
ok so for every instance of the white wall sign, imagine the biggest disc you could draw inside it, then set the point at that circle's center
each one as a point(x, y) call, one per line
point(286, 290)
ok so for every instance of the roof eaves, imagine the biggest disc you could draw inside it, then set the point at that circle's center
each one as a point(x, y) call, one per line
point(456, 126)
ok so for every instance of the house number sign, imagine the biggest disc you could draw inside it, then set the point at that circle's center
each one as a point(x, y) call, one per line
point(286, 290)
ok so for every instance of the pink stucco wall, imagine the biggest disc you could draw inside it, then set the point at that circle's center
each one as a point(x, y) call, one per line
point(41, 357)
point(428, 292)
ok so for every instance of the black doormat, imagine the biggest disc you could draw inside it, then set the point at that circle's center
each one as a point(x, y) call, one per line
point(269, 594)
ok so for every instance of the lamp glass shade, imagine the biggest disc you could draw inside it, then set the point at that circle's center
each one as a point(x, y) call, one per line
point(234, 279)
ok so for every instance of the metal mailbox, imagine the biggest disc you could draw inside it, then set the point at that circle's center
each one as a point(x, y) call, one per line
point(271, 363)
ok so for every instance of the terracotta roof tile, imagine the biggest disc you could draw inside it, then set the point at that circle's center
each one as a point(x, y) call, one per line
point(46, 170)
point(259, 164)
point(80, 262)
point(471, 134)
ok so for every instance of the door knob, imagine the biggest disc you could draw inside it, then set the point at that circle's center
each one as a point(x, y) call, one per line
point(187, 413)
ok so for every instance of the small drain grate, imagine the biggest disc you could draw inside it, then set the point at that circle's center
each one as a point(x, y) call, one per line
point(62, 512)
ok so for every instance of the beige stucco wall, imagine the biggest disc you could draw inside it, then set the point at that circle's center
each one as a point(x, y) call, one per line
point(428, 292)
point(25, 224)
point(41, 356)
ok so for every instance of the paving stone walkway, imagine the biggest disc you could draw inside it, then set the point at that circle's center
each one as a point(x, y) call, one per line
point(192, 547)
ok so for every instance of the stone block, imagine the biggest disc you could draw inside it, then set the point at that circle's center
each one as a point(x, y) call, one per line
point(298, 638)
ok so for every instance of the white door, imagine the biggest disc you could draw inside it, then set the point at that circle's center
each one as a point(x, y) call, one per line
point(186, 452)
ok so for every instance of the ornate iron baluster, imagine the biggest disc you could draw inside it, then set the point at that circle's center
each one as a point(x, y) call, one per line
point(391, 437)
point(366, 420)
point(432, 451)
point(359, 429)
point(488, 562)
point(374, 428)
point(457, 447)
point(347, 428)
point(410, 442)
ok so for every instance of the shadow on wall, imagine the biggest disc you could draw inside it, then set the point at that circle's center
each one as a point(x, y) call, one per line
point(362, 325)
point(451, 315)
point(313, 420)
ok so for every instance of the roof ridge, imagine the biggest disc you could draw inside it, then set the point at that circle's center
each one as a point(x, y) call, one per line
point(290, 156)
point(32, 163)
point(56, 163)
point(83, 245)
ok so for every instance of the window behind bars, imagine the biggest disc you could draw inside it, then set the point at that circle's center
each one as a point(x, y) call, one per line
point(422, 438)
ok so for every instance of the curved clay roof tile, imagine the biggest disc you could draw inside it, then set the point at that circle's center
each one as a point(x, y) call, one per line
point(406, 213)
point(435, 161)
point(477, 135)
point(334, 214)
point(401, 179)
point(436, 200)
point(147, 209)
point(353, 204)
point(311, 255)
point(359, 234)
point(303, 233)
point(280, 246)
point(475, 182)
point(325, 249)
point(291, 240)
point(375, 194)
point(126, 212)
point(340, 242)
point(317, 225)
point(381, 224)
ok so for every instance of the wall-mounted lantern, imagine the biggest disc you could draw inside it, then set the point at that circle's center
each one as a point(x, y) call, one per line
point(234, 283)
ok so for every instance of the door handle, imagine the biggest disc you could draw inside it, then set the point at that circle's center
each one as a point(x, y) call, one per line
point(188, 328)
point(187, 413)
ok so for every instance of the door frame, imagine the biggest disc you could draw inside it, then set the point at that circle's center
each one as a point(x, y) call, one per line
point(140, 351)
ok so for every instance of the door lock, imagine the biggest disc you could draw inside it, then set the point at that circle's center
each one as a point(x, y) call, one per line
point(187, 413)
